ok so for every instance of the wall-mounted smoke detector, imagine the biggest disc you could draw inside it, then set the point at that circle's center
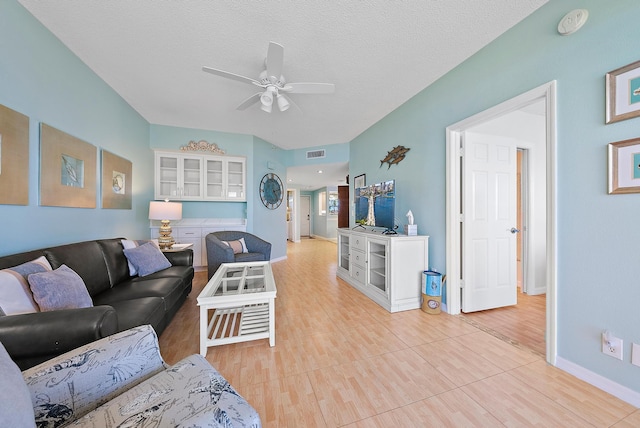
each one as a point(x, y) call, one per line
point(315, 154)
point(572, 21)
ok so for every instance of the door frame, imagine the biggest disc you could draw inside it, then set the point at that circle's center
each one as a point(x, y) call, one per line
point(547, 92)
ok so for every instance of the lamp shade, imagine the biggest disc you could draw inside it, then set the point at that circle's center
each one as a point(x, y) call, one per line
point(160, 210)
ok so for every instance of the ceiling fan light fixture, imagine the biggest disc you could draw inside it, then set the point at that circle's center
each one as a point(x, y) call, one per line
point(266, 107)
point(283, 103)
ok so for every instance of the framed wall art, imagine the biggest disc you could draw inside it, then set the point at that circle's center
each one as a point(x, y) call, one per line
point(116, 181)
point(67, 170)
point(360, 181)
point(623, 93)
point(624, 166)
point(14, 157)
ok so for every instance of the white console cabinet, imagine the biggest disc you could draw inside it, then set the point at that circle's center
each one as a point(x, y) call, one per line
point(386, 268)
point(194, 231)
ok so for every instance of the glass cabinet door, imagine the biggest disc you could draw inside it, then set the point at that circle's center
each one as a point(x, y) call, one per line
point(377, 265)
point(191, 178)
point(166, 177)
point(214, 174)
point(235, 179)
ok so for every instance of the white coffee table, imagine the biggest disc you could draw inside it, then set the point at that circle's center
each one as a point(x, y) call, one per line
point(242, 298)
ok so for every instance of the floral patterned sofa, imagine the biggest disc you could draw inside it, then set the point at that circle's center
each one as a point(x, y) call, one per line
point(121, 381)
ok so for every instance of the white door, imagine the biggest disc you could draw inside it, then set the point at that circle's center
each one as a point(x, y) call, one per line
point(305, 216)
point(489, 269)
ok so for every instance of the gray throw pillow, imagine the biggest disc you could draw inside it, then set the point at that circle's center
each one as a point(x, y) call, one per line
point(16, 409)
point(59, 289)
point(147, 259)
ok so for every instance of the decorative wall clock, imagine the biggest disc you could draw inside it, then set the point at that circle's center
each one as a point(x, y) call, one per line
point(271, 191)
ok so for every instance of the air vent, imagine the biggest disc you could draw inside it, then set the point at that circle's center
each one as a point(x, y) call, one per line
point(315, 154)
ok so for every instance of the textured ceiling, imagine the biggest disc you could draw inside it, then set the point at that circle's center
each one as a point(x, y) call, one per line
point(378, 53)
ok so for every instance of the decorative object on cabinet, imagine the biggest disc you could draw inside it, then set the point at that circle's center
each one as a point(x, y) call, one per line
point(623, 93)
point(202, 146)
point(395, 156)
point(116, 181)
point(271, 191)
point(68, 170)
point(197, 177)
point(165, 211)
point(14, 157)
point(360, 181)
point(386, 268)
point(624, 166)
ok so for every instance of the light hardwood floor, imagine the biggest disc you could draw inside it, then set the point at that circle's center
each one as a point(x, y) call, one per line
point(523, 324)
point(341, 360)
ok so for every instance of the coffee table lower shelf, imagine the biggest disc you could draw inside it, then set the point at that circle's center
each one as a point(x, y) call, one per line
point(232, 325)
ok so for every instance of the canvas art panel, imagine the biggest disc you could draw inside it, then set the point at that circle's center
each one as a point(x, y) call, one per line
point(14, 157)
point(67, 170)
point(116, 181)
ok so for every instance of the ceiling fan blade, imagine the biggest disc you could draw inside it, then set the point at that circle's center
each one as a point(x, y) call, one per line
point(233, 76)
point(274, 61)
point(309, 88)
point(249, 101)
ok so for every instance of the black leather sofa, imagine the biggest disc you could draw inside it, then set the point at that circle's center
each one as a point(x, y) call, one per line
point(120, 301)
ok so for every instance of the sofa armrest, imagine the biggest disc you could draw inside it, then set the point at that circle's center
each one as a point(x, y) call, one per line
point(180, 258)
point(32, 338)
point(256, 244)
point(81, 380)
point(217, 253)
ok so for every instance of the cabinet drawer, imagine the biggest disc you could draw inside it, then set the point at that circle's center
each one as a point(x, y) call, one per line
point(357, 273)
point(358, 242)
point(188, 232)
point(357, 257)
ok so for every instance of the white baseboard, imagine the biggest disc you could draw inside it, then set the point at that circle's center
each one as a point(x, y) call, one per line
point(278, 259)
point(607, 385)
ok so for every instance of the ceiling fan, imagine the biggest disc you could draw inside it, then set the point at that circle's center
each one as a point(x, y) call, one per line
point(272, 83)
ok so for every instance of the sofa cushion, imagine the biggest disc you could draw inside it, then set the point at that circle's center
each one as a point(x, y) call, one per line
point(128, 243)
point(114, 258)
point(59, 289)
point(136, 312)
point(147, 259)
point(190, 393)
point(249, 257)
point(73, 384)
point(16, 409)
point(15, 295)
point(86, 259)
point(168, 288)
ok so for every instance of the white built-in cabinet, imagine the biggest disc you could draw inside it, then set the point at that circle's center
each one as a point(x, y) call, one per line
point(199, 177)
point(195, 230)
point(386, 268)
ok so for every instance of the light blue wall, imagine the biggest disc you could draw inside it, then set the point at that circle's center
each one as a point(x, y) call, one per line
point(598, 259)
point(270, 225)
point(172, 138)
point(42, 79)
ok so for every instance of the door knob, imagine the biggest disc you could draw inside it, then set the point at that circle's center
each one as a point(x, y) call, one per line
point(514, 230)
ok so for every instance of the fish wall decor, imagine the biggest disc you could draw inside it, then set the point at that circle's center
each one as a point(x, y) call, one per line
point(395, 156)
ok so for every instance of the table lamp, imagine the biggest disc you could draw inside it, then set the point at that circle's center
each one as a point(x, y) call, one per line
point(165, 211)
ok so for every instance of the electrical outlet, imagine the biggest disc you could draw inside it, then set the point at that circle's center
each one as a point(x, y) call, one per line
point(611, 345)
point(635, 354)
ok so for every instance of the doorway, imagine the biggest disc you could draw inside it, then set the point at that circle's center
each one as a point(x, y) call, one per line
point(539, 269)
